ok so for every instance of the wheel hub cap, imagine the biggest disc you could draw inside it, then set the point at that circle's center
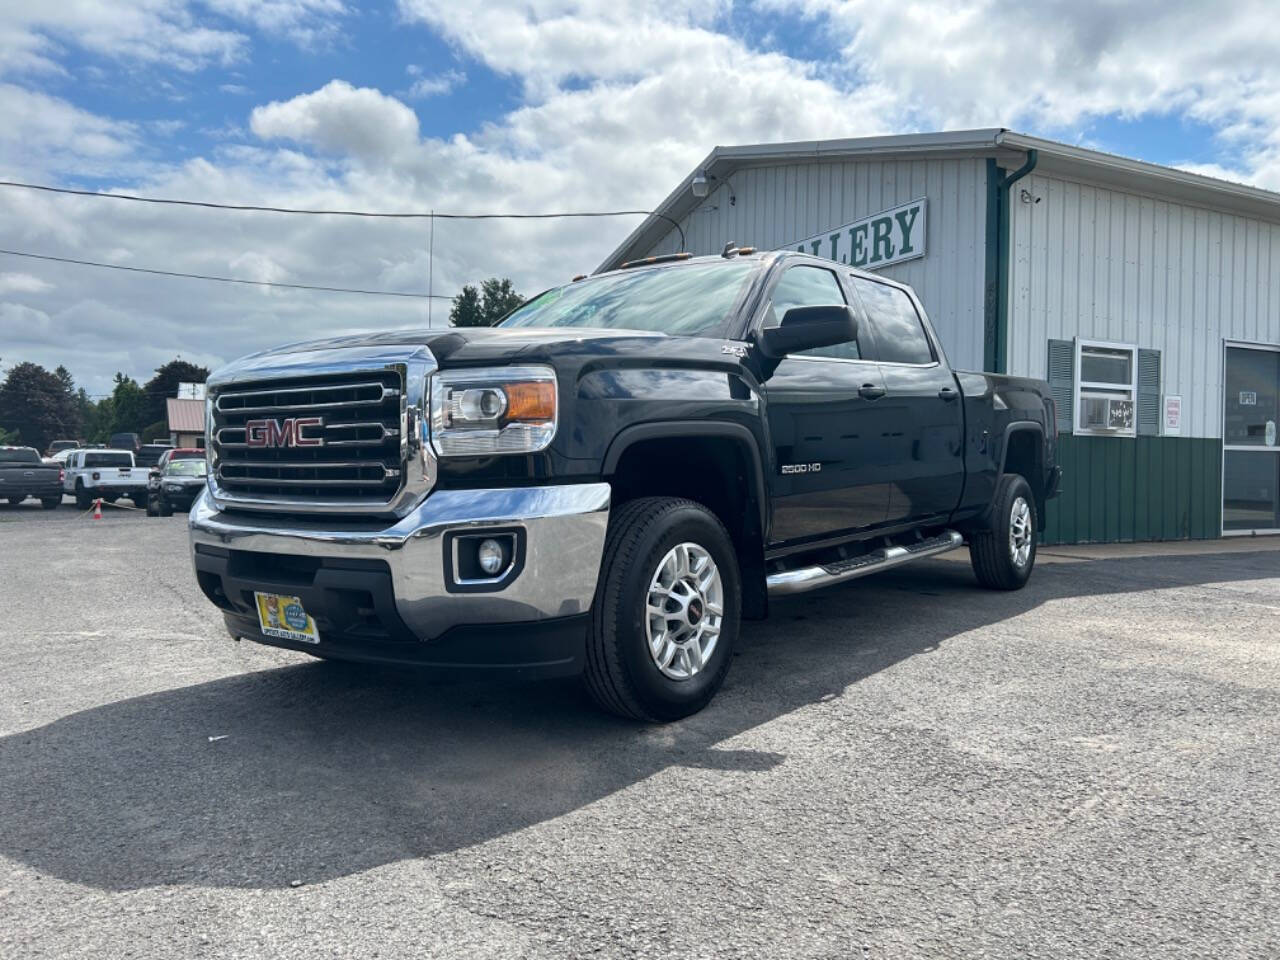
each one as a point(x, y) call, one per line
point(1020, 532)
point(684, 611)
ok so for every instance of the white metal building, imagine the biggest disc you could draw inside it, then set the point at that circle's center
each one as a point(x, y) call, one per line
point(1148, 296)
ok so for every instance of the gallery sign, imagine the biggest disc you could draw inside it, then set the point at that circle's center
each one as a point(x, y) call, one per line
point(876, 241)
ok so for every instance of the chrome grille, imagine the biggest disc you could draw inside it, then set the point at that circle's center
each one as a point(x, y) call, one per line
point(348, 448)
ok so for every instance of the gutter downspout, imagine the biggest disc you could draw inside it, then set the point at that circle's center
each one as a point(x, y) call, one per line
point(996, 306)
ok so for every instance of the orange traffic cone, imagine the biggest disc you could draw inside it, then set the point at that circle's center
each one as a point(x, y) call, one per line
point(97, 509)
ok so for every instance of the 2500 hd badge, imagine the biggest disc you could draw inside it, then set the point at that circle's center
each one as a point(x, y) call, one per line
point(614, 479)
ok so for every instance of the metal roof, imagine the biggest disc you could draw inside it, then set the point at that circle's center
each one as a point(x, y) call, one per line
point(185, 416)
point(1006, 146)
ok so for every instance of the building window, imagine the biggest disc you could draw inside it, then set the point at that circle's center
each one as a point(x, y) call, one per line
point(1106, 388)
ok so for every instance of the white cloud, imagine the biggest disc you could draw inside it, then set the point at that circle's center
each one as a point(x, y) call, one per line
point(22, 283)
point(433, 85)
point(340, 119)
point(41, 132)
point(146, 31)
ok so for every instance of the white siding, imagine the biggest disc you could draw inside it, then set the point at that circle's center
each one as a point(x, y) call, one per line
point(1101, 264)
point(782, 204)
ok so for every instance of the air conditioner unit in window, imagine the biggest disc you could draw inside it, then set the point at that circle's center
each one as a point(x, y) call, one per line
point(1106, 413)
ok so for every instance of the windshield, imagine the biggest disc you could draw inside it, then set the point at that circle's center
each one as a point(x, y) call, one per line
point(691, 300)
point(19, 455)
point(187, 468)
point(108, 460)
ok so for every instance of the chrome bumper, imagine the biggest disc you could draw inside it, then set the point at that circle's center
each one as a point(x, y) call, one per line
point(564, 539)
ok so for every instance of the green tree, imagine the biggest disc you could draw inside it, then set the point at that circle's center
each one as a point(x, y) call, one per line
point(36, 405)
point(165, 385)
point(128, 406)
point(75, 422)
point(486, 306)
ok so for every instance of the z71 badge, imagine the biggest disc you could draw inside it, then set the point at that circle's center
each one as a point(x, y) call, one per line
point(801, 468)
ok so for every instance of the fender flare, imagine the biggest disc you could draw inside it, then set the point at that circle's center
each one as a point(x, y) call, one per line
point(1018, 426)
point(676, 429)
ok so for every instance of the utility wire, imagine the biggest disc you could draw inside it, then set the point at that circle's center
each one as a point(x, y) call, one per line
point(205, 276)
point(412, 215)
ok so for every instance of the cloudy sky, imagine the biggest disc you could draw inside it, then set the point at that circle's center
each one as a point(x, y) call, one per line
point(536, 105)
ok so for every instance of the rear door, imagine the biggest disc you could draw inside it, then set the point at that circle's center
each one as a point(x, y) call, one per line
point(824, 423)
point(923, 415)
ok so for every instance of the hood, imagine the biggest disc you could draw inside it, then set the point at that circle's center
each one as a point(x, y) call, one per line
point(451, 346)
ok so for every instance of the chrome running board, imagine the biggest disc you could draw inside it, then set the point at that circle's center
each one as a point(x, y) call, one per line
point(826, 574)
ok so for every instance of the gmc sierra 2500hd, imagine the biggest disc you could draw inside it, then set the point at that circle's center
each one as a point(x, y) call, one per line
point(613, 478)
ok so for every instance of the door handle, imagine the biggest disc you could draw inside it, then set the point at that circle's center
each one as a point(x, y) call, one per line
point(871, 391)
point(948, 394)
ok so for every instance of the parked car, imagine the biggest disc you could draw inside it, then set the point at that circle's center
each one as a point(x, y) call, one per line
point(60, 458)
point(179, 453)
point(176, 486)
point(24, 474)
point(613, 478)
point(125, 441)
point(59, 445)
point(149, 454)
point(109, 474)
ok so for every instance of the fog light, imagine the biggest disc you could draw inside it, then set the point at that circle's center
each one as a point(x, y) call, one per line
point(490, 556)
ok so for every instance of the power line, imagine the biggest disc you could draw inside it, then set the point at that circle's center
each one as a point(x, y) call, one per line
point(410, 215)
point(205, 276)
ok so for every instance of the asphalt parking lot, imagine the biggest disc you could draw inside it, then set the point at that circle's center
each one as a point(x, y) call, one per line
point(906, 766)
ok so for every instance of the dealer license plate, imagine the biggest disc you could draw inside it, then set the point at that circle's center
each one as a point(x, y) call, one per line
point(284, 618)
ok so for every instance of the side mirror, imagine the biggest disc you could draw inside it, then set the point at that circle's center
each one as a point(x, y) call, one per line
point(807, 328)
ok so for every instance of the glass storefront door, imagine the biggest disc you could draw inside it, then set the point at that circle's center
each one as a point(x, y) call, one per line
point(1251, 454)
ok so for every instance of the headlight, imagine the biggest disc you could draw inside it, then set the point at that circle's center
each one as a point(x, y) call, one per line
point(173, 487)
point(496, 410)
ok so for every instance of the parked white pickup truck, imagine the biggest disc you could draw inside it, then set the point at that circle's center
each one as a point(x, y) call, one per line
point(109, 474)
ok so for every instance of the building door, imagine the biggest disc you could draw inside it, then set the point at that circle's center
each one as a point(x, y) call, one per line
point(925, 444)
point(1250, 449)
point(825, 424)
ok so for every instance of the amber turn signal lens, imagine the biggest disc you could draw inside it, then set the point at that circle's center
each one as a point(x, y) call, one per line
point(534, 401)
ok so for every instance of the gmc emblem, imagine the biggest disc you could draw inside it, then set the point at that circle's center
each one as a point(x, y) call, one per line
point(283, 433)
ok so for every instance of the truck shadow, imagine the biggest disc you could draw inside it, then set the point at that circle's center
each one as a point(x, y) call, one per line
point(324, 770)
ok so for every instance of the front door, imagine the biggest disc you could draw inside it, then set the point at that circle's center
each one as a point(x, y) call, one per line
point(925, 445)
point(825, 424)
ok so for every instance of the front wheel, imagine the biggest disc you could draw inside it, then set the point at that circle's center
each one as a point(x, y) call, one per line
point(666, 611)
point(1004, 556)
point(83, 500)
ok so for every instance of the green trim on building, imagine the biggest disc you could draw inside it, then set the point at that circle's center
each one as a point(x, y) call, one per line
point(1119, 489)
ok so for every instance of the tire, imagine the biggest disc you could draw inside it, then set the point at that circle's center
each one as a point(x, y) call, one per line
point(1004, 556)
point(14, 501)
point(51, 503)
point(83, 500)
point(646, 540)
point(140, 500)
point(164, 509)
point(152, 509)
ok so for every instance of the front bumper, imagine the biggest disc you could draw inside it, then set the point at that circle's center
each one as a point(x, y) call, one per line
point(382, 593)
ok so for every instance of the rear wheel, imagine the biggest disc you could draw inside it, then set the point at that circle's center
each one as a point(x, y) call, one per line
point(14, 501)
point(666, 611)
point(51, 503)
point(165, 509)
point(83, 500)
point(1004, 556)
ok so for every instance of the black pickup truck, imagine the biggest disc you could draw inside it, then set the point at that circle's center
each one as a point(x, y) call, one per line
point(614, 478)
point(23, 474)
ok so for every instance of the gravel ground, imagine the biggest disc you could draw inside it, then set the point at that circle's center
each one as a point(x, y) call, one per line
point(906, 766)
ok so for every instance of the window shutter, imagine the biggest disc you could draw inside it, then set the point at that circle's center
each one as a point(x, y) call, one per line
point(1062, 358)
point(1148, 393)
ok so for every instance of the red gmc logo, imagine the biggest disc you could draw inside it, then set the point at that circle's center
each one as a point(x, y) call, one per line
point(282, 433)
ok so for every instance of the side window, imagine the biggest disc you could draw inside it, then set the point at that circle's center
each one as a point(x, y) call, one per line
point(810, 287)
point(899, 333)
